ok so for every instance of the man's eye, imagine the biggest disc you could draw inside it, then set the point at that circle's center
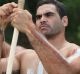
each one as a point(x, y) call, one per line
point(38, 17)
point(49, 14)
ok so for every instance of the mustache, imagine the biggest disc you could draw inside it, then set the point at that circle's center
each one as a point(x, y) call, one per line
point(43, 25)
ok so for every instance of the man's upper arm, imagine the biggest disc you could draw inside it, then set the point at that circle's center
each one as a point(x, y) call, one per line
point(5, 50)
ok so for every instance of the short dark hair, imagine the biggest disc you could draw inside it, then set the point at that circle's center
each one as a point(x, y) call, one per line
point(59, 5)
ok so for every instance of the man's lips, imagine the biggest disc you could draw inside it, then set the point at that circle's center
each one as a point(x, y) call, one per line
point(43, 27)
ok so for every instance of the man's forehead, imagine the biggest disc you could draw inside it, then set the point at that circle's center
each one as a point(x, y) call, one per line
point(46, 8)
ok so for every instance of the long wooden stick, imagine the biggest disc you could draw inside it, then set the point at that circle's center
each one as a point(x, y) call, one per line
point(14, 42)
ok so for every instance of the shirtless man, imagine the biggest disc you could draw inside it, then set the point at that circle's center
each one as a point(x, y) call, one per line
point(51, 21)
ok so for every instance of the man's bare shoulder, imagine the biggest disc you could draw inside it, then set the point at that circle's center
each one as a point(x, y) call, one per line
point(22, 50)
point(69, 49)
point(75, 45)
point(73, 48)
point(27, 53)
point(74, 57)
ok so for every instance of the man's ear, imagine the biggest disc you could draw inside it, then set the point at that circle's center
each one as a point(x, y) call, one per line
point(65, 21)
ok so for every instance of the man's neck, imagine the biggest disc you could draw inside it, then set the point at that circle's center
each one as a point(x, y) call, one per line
point(58, 41)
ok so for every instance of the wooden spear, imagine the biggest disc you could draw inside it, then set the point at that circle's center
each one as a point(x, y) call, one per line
point(14, 42)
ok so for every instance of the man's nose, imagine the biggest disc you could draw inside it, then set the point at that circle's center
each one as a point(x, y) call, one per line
point(43, 20)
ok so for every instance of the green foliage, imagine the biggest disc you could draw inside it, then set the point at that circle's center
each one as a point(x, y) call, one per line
point(73, 30)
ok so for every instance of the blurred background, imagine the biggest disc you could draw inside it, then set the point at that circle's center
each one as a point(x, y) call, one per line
point(72, 31)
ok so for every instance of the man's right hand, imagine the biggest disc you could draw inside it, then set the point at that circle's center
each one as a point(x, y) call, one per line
point(5, 12)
